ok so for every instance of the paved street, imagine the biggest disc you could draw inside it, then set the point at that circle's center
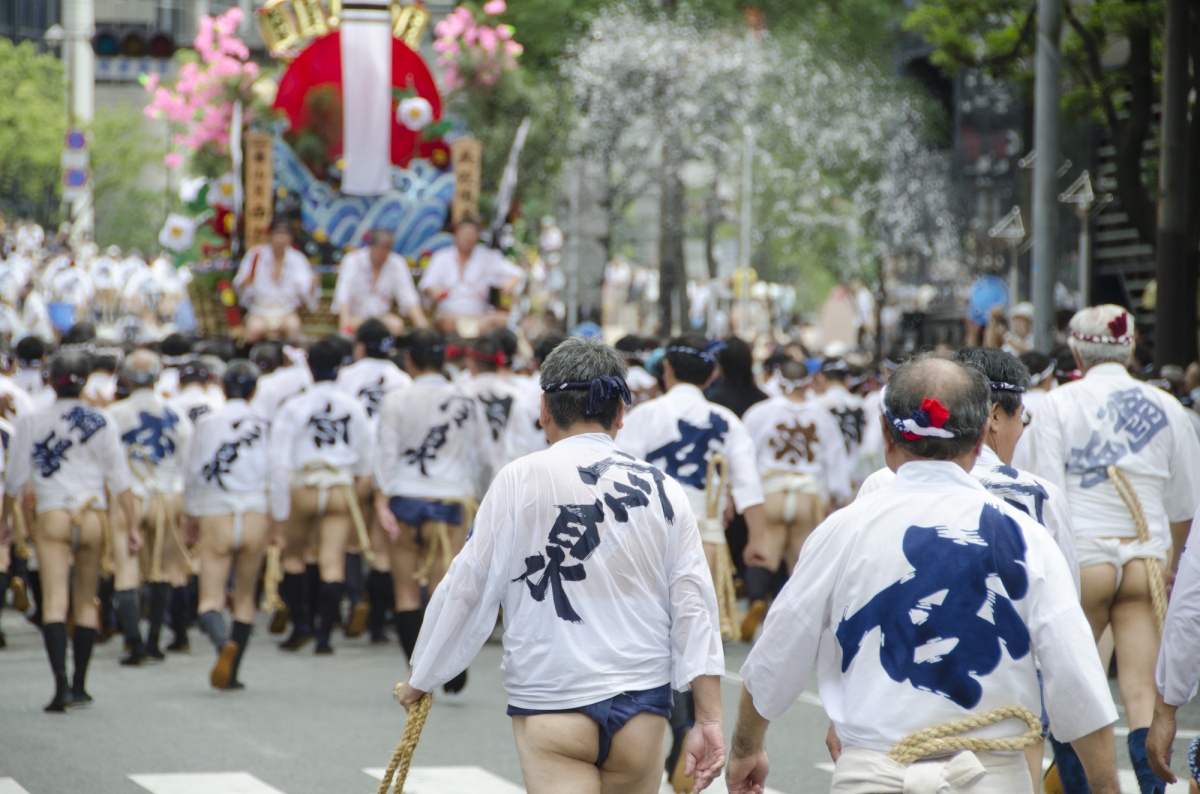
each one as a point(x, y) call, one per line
point(304, 725)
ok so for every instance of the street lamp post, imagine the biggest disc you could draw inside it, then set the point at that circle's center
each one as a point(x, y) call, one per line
point(74, 36)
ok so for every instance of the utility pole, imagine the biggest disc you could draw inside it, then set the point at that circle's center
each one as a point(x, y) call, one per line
point(1175, 312)
point(79, 24)
point(1045, 172)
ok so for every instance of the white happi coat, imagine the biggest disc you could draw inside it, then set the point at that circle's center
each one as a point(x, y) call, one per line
point(525, 432)
point(495, 397)
point(1036, 497)
point(428, 441)
point(364, 295)
point(598, 564)
point(70, 452)
point(259, 290)
point(195, 400)
point(923, 603)
point(679, 432)
point(850, 413)
point(1109, 418)
point(798, 438)
point(226, 469)
point(1178, 672)
point(321, 427)
point(156, 438)
point(370, 381)
point(275, 388)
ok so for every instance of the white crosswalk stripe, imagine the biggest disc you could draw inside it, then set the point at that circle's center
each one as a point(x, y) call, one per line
point(204, 783)
point(1128, 780)
point(452, 780)
point(10, 786)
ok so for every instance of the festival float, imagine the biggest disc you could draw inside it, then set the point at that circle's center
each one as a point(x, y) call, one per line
point(343, 134)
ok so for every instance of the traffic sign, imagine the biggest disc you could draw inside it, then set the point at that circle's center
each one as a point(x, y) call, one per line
point(75, 139)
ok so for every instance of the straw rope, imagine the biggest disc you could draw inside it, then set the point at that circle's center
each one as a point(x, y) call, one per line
point(402, 758)
point(1154, 568)
point(945, 739)
point(439, 542)
point(714, 483)
point(352, 505)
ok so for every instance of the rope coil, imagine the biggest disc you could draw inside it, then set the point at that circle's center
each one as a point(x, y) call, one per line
point(944, 739)
point(402, 758)
point(714, 483)
point(272, 576)
point(1154, 568)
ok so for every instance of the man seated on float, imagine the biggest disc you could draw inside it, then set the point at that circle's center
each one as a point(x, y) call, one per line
point(272, 283)
point(459, 281)
point(370, 281)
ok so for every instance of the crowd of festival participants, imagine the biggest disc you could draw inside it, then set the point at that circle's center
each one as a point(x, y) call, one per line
point(939, 537)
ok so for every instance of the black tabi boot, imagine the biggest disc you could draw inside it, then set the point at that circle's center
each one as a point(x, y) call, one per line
point(84, 640)
point(312, 585)
point(179, 620)
point(359, 611)
point(35, 587)
point(294, 592)
point(160, 596)
point(380, 594)
point(241, 637)
point(107, 623)
point(758, 590)
point(408, 627)
point(129, 609)
point(329, 601)
point(54, 635)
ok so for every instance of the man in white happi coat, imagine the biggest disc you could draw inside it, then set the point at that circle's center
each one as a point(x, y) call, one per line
point(273, 282)
point(427, 480)
point(830, 392)
point(285, 374)
point(370, 280)
point(496, 392)
point(321, 449)
point(801, 458)
point(70, 456)
point(929, 602)
point(195, 397)
point(1097, 438)
point(460, 277)
point(597, 561)
point(371, 377)
point(226, 501)
point(156, 438)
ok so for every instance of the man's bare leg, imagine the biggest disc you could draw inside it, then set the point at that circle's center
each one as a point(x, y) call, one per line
point(558, 753)
point(634, 763)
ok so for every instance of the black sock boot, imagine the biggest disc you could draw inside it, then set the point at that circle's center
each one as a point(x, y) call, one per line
point(179, 620)
point(54, 635)
point(380, 593)
point(1148, 782)
point(360, 613)
point(312, 589)
point(128, 608)
point(212, 623)
point(241, 637)
point(84, 640)
point(408, 627)
point(35, 587)
point(105, 594)
point(330, 600)
point(160, 595)
point(294, 591)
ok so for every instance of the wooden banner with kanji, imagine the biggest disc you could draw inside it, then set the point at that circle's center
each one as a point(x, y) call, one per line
point(259, 190)
point(467, 156)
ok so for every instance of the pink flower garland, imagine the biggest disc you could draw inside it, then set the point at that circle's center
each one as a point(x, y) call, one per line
point(200, 102)
point(471, 52)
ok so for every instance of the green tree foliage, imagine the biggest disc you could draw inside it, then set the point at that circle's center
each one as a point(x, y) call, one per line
point(126, 213)
point(33, 120)
point(1111, 54)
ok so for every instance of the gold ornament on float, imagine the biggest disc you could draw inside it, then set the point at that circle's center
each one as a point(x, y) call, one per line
point(288, 26)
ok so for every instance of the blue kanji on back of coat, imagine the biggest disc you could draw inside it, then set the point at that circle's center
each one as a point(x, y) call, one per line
point(686, 459)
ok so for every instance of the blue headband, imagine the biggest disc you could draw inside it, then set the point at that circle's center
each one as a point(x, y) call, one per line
point(600, 390)
point(999, 385)
point(709, 353)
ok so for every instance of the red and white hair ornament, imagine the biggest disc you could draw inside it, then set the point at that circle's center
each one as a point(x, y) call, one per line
point(1119, 332)
point(928, 421)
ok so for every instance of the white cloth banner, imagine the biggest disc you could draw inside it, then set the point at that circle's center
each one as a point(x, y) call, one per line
point(367, 101)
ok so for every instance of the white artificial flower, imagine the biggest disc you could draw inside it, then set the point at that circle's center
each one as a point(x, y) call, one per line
point(189, 191)
point(223, 192)
point(177, 233)
point(415, 113)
